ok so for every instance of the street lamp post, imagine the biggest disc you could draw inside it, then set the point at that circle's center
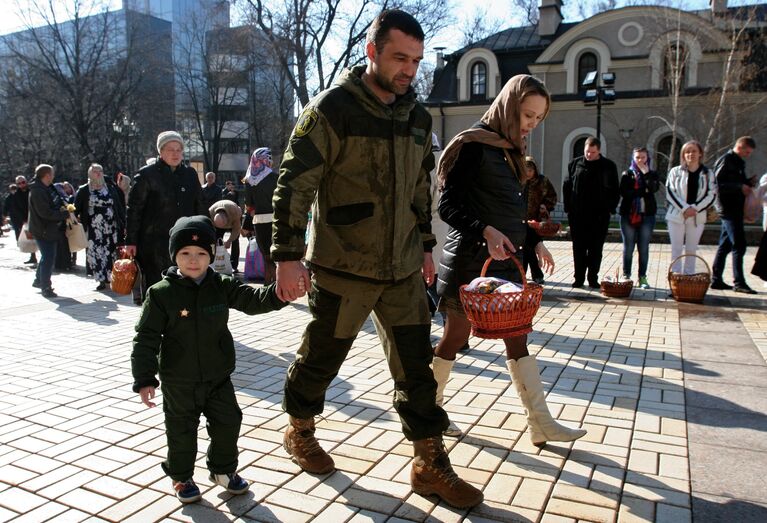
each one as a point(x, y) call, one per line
point(126, 129)
point(599, 93)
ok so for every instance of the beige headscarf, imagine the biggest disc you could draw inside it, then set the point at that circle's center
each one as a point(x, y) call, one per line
point(503, 118)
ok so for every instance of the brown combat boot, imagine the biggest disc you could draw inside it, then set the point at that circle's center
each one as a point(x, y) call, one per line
point(433, 474)
point(300, 443)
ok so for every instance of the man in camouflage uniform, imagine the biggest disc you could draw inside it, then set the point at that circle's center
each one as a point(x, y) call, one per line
point(360, 157)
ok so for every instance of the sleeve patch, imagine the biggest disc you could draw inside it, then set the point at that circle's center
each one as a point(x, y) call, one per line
point(306, 122)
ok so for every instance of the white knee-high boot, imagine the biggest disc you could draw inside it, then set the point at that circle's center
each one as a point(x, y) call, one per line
point(543, 428)
point(441, 369)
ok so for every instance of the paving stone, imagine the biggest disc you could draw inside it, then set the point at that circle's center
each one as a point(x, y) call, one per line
point(634, 510)
point(19, 500)
point(616, 367)
point(86, 501)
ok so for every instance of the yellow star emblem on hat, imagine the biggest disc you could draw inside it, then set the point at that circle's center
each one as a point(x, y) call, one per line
point(184, 313)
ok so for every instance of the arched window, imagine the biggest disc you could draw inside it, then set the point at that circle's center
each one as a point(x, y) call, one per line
point(479, 80)
point(665, 159)
point(586, 63)
point(578, 146)
point(674, 67)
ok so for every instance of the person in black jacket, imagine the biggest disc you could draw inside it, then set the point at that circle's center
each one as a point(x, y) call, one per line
point(162, 193)
point(638, 186)
point(47, 213)
point(733, 186)
point(590, 197)
point(211, 192)
point(260, 182)
point(484, 201)
point(17, 209)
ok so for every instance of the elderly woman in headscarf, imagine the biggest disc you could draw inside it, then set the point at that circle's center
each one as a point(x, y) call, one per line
point(260, 182)
point(484, 202)
point(100, 208)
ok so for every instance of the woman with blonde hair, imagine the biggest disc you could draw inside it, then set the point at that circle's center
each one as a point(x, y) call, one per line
point(690, 191)
point(100, 208)
point(484, 202)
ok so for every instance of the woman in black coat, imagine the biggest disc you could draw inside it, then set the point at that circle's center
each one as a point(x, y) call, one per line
point(161, 194)
point(484, 201)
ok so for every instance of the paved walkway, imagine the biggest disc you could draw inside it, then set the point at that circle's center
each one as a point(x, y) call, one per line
point(673, 397)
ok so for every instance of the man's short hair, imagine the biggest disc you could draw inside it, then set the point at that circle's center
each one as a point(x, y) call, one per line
point(593, 141)
point(746, 141)
point(388, 19)
point(43, 169)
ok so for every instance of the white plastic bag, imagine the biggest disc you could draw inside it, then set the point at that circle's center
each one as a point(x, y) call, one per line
point(221, 262)
point(26, 243)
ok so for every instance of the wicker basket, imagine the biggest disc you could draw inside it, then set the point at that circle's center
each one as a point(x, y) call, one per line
point(689, 288)
point(545, 229)
point(616, 289)
point(502, 315)
point(549, 229)
point(124, 273)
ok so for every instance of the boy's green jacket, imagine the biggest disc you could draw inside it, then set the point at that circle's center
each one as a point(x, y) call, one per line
point(182, 332)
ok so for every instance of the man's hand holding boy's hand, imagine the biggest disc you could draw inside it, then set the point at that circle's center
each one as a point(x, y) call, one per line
point(146, 394)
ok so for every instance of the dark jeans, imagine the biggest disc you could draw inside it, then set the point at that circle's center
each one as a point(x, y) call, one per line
point(234, 256)
point(588, 233)
point(45, 265)
point(732, 239)
point(639, 236)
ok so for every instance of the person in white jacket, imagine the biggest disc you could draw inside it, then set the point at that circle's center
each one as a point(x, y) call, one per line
point(763, 192)
point(690, 190)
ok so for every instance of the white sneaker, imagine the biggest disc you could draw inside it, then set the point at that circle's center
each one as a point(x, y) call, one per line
point(452, 431)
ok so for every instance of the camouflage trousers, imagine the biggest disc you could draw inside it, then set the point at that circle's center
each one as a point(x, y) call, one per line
point(339, 308)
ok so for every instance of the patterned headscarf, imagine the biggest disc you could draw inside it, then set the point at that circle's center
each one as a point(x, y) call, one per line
point(502, 117)
point(260, 166)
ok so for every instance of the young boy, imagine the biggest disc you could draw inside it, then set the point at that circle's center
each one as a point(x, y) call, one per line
point(182, 334)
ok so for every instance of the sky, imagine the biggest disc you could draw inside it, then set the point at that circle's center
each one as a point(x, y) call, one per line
point(12, 20)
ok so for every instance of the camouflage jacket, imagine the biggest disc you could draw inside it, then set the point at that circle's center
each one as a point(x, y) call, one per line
point(363, 168)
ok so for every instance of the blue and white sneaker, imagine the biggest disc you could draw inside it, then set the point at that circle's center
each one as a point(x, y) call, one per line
point(187, 491)
point(232, 482)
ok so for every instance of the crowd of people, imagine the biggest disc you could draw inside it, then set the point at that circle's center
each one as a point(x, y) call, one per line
point(367, 251)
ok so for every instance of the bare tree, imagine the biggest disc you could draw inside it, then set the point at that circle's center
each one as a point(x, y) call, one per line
point(479, 26)
point(529, 9)
point(315, 40)
point(710, 114)
point(201, 72)
point(80, 70)
point(234, 91)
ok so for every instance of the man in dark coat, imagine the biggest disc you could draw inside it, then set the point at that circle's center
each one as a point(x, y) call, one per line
point(590, 197)
point(211, 193)
point(47, 213)
point(17, 209)
point(732, 186)
point(161, 194)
